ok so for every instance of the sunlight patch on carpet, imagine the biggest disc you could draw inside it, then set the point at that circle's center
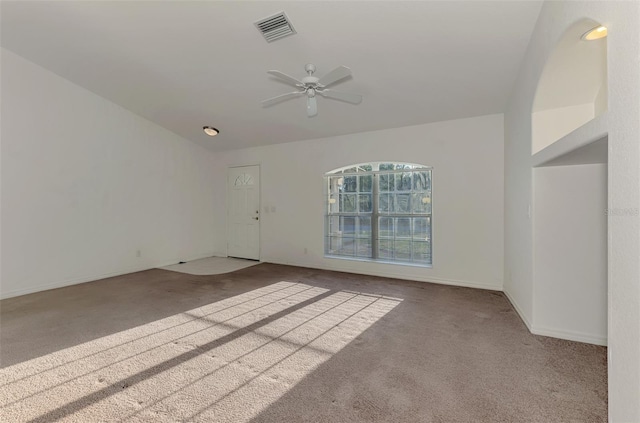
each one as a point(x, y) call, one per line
point(226, 361)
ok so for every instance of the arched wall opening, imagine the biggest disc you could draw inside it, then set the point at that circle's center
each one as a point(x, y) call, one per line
point(570, 192)
point(572, 89)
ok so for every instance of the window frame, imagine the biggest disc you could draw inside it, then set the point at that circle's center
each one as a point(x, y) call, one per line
point(375, 214)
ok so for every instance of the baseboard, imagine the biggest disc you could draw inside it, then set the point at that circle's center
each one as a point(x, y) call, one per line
point(556, 333)
point(85, 279)
point(385, 274)
point(518, 310)
point(570, 335)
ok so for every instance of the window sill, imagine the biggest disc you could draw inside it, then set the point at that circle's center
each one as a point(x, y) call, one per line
point(368, 260)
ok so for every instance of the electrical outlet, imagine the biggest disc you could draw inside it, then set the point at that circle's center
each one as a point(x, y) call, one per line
point(305, 250)
point(138, 253)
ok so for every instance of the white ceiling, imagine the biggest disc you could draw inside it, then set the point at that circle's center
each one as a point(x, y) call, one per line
point(185, 64)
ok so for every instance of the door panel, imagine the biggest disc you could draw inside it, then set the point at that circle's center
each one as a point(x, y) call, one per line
point(244, 212)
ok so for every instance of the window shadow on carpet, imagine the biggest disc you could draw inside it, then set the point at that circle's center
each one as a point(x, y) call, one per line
point(202, 364)
point(38, 324)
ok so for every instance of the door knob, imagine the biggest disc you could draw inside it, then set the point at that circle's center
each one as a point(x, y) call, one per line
point(256, 218)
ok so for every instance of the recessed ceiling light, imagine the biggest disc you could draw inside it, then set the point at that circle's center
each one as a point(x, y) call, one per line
point(210, 130)
point(595, 33)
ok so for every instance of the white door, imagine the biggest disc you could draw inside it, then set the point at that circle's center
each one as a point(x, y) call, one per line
point(243, 212)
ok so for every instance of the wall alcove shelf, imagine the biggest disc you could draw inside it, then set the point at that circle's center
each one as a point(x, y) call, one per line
point(584, 145)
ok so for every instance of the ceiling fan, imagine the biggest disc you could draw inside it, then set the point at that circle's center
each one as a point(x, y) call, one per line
point(312, 86)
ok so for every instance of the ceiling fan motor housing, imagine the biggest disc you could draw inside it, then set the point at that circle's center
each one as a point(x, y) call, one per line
point(310, 81)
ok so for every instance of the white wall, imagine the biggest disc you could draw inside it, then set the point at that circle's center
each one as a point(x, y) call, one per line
point(467, 158)
point(552, 124)
point(570, 252)
point(601, 101)
point(623, 184)
point(86, 183)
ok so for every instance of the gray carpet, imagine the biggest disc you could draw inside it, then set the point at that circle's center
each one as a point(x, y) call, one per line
point(275, 343)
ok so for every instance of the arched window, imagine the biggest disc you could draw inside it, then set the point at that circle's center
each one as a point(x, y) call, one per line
point(379, 211)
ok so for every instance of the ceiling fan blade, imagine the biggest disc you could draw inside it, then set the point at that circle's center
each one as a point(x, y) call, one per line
point(312, 106)
point(335, 75)
point(282, 97)
point(286, 78)
point(339, 95)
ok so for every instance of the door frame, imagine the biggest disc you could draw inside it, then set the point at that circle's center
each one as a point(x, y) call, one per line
point(226, 199)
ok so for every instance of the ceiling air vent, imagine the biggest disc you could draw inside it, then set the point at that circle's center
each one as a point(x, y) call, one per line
point(275, 27)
